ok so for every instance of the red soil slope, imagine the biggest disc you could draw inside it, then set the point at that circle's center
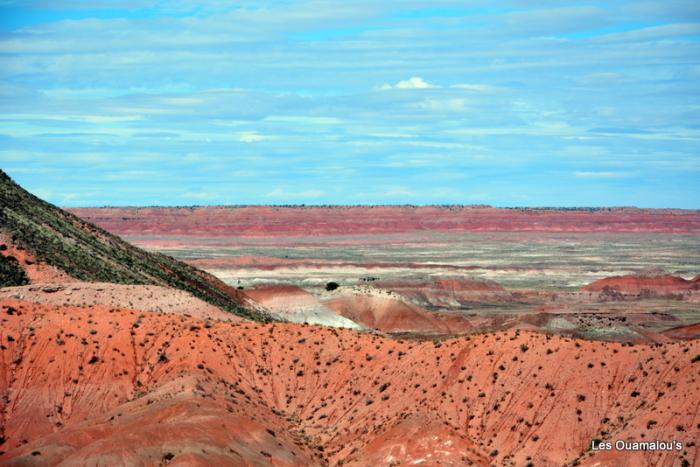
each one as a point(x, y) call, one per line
point(270, 221)
point(644, 285)
point(89, 385)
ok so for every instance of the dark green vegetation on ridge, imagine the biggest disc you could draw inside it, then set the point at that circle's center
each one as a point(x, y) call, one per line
point(11, 273)
point(88, 253)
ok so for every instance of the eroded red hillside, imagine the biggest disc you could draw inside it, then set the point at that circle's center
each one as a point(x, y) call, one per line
point(109, 385)
point(392, 315)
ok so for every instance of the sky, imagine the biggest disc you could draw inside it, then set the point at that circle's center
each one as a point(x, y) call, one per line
point(511, 103)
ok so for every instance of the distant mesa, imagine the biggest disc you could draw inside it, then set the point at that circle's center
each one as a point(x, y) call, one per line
point(291, 221)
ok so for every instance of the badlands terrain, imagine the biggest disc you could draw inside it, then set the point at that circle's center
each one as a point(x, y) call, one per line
point(330, 342)
point(618, 274)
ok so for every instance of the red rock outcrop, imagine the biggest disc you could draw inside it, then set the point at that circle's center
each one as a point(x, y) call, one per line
point(447, 292)
point(392, 315)
point(89, 385)
point(643, 286)
point(296, 305)
point(690, 331)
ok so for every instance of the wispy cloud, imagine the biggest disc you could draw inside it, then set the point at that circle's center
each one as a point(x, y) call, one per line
point(475, 87)
point(604, 174)
point(251, 137)
point(284, 194)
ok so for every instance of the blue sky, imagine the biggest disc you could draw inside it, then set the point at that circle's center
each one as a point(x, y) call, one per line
point(512, 103)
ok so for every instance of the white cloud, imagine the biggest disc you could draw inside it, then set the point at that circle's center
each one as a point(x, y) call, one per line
point(251, 137)
point(414, 82)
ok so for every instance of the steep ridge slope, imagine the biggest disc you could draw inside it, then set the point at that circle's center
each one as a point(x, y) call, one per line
point(105, 385)
point(70, 246)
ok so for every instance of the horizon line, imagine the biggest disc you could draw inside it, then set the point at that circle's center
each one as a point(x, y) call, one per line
point(367, 205)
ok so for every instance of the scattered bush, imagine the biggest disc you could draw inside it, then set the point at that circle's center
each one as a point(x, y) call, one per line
point(11, 273)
